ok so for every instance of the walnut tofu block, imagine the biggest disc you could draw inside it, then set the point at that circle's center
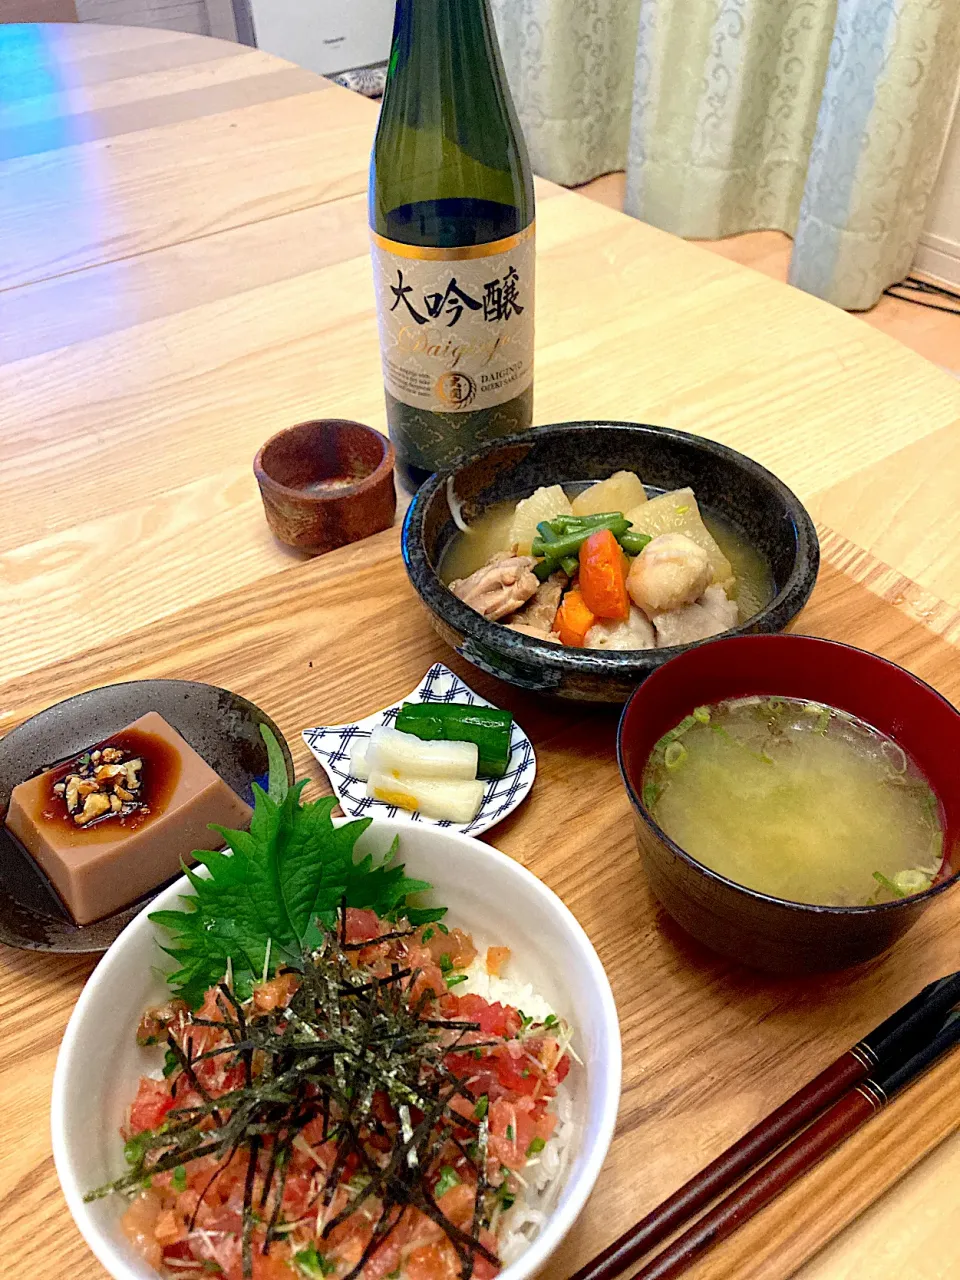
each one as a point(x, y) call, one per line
point(114, 822)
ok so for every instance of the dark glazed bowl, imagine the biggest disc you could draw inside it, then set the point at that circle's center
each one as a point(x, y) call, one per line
point(758, 930)
point(727, 484)
point(326, 483)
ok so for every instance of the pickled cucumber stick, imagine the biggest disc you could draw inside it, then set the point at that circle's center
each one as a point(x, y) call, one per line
point(488, 727)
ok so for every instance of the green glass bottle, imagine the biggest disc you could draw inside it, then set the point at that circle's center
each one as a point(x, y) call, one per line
point(452, 221)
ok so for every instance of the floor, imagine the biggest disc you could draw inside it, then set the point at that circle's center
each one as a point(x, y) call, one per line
point(933, 334)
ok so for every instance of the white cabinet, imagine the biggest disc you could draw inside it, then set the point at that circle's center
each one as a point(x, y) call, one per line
point(938, 253)
point(324, 35)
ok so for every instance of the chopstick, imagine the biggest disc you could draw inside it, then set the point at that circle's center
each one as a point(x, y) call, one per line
point(809, 1148)
point(900, 1039)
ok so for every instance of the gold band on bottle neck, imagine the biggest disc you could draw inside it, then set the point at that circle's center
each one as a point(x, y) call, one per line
point(463, 253)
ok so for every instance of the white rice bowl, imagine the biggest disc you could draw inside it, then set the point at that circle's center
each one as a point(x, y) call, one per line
point(552, 969)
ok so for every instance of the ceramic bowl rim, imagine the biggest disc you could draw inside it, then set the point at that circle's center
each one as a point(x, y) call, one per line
point(199, 684)
point(437, 596)
point(604, 1082)
point(357, 489)
point(766, 899)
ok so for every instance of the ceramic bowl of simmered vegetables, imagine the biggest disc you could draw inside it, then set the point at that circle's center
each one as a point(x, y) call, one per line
point(796, 801)
point(575, 559)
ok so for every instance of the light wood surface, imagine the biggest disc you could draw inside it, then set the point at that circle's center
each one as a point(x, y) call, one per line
point(184, 270)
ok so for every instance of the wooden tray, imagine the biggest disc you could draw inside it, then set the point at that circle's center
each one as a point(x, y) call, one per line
point(708, 1047)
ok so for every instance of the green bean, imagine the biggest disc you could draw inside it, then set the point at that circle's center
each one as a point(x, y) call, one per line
point(594, 522)
point(633, 543)
point(569, 544)
point(543, 570)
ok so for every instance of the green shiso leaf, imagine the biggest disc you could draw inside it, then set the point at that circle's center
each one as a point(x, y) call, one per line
point(274, 892)
point(277, 784)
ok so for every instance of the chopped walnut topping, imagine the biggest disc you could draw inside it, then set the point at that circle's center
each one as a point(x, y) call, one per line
point(95, 805)
point(73, 793)
point(102, 784)
point(105, 771)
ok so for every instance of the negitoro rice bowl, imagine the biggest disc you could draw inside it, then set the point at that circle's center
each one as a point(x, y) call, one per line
point(534, 1084)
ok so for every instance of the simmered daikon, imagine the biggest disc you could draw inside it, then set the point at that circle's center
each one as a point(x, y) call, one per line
point(544, 504)
point(622, 492)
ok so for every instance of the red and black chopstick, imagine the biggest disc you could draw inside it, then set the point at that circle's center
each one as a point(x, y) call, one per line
point(843, 1096)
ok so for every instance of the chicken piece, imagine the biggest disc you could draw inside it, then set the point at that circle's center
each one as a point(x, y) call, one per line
point(715, 601)
point(709, 616)
point(538, 613)
point(533, 633)
point(636, 633)
point(669, 572)
point(503, 584)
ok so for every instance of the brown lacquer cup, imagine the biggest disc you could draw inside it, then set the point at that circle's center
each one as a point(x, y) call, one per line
point(326, 483)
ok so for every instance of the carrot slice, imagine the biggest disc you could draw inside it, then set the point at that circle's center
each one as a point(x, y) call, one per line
point(574, 620)
point(603, 580)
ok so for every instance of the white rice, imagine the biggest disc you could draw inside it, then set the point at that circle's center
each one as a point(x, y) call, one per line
point(504, 991)
point(543, 1176)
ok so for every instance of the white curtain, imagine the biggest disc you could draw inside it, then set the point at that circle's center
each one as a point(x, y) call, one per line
point(822, 118)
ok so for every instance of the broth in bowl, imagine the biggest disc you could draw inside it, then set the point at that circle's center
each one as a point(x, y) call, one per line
point(606, 566)
point(796, 800)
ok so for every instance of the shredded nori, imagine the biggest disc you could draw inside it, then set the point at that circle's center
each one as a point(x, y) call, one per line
point(345, 1035)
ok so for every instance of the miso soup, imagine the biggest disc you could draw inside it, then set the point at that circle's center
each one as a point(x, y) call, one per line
point(796, 800)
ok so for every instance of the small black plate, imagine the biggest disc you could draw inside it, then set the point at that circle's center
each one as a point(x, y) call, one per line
point(220, 726)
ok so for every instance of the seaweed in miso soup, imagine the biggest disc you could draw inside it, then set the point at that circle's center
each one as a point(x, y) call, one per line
point(796, 800)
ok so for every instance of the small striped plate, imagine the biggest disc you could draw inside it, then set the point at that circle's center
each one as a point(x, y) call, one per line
point(333, 744)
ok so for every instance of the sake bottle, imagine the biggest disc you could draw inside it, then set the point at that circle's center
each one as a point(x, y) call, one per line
point(452, 224)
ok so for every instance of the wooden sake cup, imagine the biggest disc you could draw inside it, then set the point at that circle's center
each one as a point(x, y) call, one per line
point(326, 483)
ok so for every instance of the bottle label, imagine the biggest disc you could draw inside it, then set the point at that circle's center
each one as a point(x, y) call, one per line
point(456, 325)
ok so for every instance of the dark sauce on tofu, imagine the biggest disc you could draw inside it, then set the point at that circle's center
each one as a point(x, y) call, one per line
point(158, 775)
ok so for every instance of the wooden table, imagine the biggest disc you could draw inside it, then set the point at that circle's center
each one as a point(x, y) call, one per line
point(183, 270)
